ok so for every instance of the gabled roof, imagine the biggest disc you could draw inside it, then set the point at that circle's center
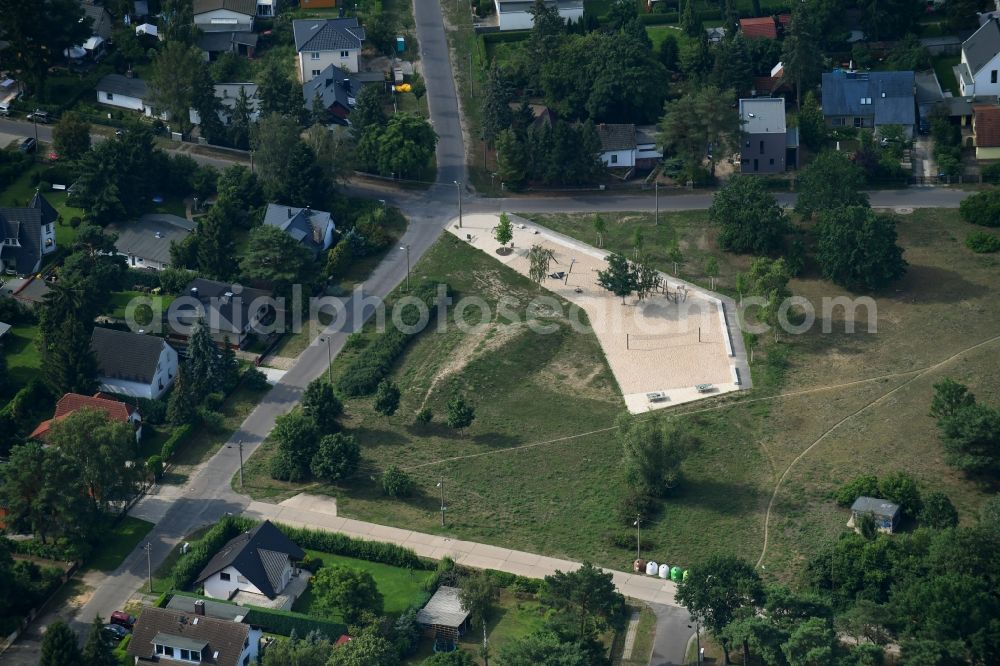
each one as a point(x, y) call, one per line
point(616, 137)
point(444, 609)
point(150, 236)
point(206, 635)
point(334, 86)
point(123, 85)
point(221, 310)
point(764, 27)
point(127, 356)
point(49, 213)
point(214, 42)
point(987, 125)
point(305, 225)
point(219, 610)
point(259, 555)
point(24, 224)
point(878, 507)
point(72, 402)
point(327, 35)
point(763, 115)
point(982, 46)
point(248, 7)
point(888, 96)
point(101, 19)
point(4, 329)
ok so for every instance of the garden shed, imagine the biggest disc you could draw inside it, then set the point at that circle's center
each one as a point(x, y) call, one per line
point(443, 616)
point(885, 513)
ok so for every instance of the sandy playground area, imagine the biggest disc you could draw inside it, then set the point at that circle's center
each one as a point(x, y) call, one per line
point(660, 350)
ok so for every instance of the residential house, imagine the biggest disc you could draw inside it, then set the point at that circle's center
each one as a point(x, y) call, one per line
point(625, 145)
point(214, 44)
point(886, 513)
point(870, 99)
point(766, 142)
point(771, 85)
point(320, 43)
point(978, 71)
point(258, 562)
point(133, 364)
point(516, 14)
point(228, 95)
point(312, 228)
point(267, 8)
point(224, 15)
point(986, 130)
point(232, 312)
point(125, 92)
point(336, 91)
point(73, 402)
point(161, 635)
point(716, 34)
point(146, 242)
point(765, 27)
point(101, 25)
point(29, 291)
point(215, 609)
point(26, 235)
point(444, 616)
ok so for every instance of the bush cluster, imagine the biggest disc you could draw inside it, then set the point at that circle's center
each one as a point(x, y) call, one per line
point(191, 563)
point(339, 544)
point(284, 623)
point(365, 372)
point(982, 242)
point(169, 447)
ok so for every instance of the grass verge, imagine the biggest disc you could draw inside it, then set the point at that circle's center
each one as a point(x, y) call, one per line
point(118, 543)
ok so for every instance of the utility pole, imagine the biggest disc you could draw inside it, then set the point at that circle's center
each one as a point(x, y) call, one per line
point(656, 196)
point(407, 248)
point(329, 356)
point(239, 445)
point(441, 486)
point(638, 539)
point(472, 79)
point(458, 188)
point(149, 564)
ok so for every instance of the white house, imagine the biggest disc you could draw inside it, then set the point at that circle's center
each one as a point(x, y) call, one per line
point(224, 15)
point(320, 43)
point(617, 144)
point(516, 15)
point(228, 95)
point(312, 228)
point(978, 73)
point(125, 93)
point(26, 236)
point(163, 635)
point(258, 562)
point(133, 364)
point(145, 243)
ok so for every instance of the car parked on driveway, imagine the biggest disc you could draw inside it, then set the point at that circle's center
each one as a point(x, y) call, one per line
point(122, 619)
point(27, 145)
point(115, 632)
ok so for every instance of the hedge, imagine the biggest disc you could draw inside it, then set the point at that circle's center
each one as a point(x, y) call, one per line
point(505, 37)
point(63, 552)
point(362, 549)
point(285, 622)
point(659, 19)
point(190, 564)
point(366, 370)
point(179, 434)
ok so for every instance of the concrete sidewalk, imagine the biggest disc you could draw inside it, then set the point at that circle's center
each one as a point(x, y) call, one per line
point(315, 514)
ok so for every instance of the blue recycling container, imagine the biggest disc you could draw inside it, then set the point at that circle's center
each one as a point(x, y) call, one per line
point(400, 45)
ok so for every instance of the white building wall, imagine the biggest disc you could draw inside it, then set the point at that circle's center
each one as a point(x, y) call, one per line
point(123, 387)
point(121, 101)
point(984, 79)
point(48, 238)
point(523, 20)
point(618, 158)
point(216, 588)
point(308, 65)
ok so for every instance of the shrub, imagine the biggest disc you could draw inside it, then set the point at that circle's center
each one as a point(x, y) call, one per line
point(177, 437)
point(626, 539)
point(75, 221)
point(991, 174)
point(284, 623)
point(637, 503)
point(154, 465)
point(982, 242)
point(425, 416)
point(312, 564)
point(864, 485)
point(255, 380)
point(982, 208)
point(365, 372)
point(362, 549)
point(356, 340)
point(396, 482)
point(339, 260)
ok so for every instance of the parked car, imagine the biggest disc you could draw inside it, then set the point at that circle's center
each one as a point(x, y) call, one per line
point(38, 116)
point(27, 145)
point(115, 632)
point(122, 619)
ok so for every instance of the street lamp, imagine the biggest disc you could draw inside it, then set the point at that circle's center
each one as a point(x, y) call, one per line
point(638, 540)
point(656, 196)
point(329, 358)
point(458, 188)
point(407, 249)
point(239, 445)
point(441, 486)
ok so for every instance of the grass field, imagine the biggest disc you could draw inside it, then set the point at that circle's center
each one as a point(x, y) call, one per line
point(946, 76)
point(118, 543)
point(121, 299)
point(23, 358)
point(400, 588)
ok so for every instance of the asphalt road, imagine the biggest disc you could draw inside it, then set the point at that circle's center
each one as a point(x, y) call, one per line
point(672, 635)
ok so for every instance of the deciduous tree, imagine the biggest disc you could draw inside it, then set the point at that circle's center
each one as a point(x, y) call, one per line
point(336, 458)
point(386, 400)
point(461, 414)
point(71, 136)
point(504, 231)
point(321, 404)
point(97, 651)
point(176, 70)
point(653, 452)
point(586, 599)
point(831, 181)
point(298, 441)
point(751, 220)
point(619, 277)
point(857, 249)
point(340, 589)
point(59, 646)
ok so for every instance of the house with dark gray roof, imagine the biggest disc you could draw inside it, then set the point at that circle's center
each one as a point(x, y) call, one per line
point(336, 91)
point(125, 93)
point(311, 228)
point(766, 141)
point(870, 99)
point(628, 146)
point(145, 243)
point(214, 44)
point(231, 311)
point(224, 15)
point(320, 43)
point(219, 610)
point(133, 364)
point(258, 562)
point(885, 513)
point(101, 23)
point(26, 236)
point(978, 71)
point(166, 636)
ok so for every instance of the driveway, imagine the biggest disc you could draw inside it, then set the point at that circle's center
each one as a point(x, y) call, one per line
point(672, 635)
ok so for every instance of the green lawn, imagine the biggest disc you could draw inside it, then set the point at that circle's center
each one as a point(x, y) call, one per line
point(121, 299)
point(117, 544)
point(946, 76)
point(400, 588)
point(204, 442)
point(23, 358)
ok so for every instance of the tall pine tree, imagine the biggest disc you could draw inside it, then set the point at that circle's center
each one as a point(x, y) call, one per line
point(204, 364)
point(59, 646)
point(97, 651)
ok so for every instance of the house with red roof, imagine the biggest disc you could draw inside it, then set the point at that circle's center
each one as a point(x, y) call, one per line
point(765, 27)
point(73, 402)
point(986, 130)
